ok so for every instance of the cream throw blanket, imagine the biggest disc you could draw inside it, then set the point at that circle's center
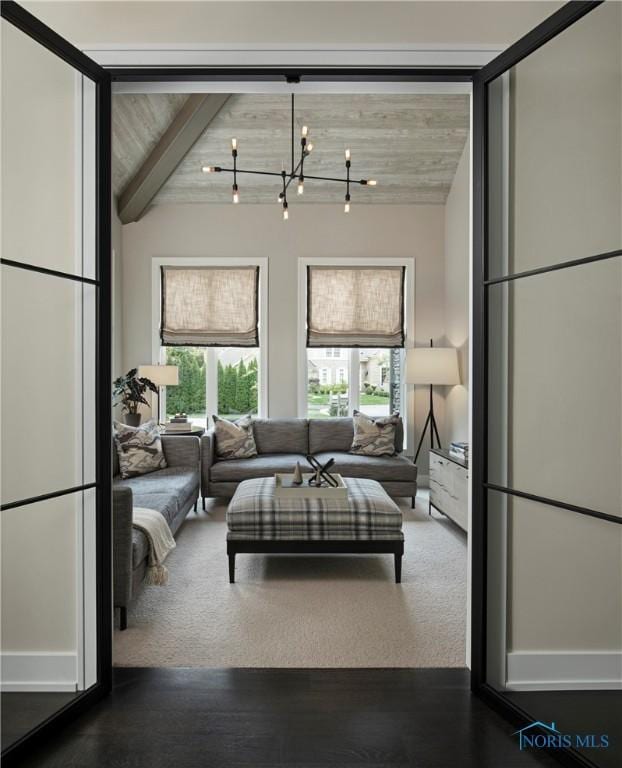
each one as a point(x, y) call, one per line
point(153, 524)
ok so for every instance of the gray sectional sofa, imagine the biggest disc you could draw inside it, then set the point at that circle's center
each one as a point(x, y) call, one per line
point(172, 491)
point(283, 442)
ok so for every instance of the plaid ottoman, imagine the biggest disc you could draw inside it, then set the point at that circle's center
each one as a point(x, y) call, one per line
point(367, 521)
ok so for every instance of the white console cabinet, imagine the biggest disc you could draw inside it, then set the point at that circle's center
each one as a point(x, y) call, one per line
point(449, 484)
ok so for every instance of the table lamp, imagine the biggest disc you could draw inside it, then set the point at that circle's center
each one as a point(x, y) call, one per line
point(432, 365)
point(161, 376)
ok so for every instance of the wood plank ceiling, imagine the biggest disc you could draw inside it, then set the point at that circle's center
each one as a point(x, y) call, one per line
point(410, 143)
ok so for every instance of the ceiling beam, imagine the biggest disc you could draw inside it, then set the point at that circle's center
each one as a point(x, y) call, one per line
point(187, 126)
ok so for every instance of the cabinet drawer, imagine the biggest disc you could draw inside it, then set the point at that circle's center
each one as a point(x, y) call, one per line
point(449, 489)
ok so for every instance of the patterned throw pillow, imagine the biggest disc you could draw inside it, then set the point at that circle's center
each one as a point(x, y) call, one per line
point(235, 439)
point(139, 449)
point(374, 437)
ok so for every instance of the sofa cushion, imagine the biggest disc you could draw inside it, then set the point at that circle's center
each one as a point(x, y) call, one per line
point(177, 482)
point(282, 435)
point(337, 435)
point(330, 434)
point(381, 468)
point(264, 465)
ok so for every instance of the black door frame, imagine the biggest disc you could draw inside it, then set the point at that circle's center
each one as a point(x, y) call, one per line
point(40, 33)
point(479, 77)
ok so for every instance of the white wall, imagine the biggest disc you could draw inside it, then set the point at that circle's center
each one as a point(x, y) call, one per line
point(257, 230)
point(293, 22)
point(457, 300)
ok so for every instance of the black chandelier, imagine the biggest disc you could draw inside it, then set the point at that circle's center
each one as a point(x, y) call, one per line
point(296, 172)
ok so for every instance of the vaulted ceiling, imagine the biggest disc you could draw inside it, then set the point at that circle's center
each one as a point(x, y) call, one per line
point(410, 143)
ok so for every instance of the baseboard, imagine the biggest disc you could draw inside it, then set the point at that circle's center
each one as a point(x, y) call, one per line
point(39, 672)
point(560, 671)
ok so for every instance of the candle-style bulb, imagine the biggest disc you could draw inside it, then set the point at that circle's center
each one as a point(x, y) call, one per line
point(310, 146)
point(208, 169)
point(301, 187)
point(236, 194)
point(285, 212)
point(305, 131)
point(234, 143)
point(371, 182)
point(347, 154)
point(346, 208)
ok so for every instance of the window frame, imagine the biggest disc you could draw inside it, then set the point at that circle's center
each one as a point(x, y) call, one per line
point(352, 360)
point(158, 352)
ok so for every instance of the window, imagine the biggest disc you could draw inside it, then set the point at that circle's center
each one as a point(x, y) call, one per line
point(237, 382)
point(222, 380)
point(190, 395)
point(340, 380)
point(376, 382)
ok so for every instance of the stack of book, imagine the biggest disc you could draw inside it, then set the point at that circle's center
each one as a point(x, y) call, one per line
point(460, 451)
point(179, 423)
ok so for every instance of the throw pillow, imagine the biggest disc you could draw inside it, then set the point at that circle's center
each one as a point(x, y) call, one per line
point(139, 449)
point(374, 437)
point(235, 439)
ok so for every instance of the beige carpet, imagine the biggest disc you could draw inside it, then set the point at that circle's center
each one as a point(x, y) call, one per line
point(303, 611)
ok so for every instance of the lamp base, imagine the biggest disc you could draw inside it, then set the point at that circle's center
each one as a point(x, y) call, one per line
point(431, 422)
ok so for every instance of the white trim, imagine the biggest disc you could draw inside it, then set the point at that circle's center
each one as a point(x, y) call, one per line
point(33, 671)
point(209, 261)
point(272, 55)
point(409, 286)
point(562, 670)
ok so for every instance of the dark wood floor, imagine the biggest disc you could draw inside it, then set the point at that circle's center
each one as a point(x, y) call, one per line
point(580, 712)
point(165, 718)
point(21, 712)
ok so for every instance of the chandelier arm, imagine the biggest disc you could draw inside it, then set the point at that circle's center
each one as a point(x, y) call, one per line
point(290, 177)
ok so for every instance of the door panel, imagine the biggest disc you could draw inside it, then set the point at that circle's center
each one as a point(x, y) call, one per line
point(564, 113)
point(55, 394)
point(547, 489)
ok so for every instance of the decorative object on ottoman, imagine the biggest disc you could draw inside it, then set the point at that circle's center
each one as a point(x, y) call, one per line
point(139, 449)
point(367, 520)
point(374, 437)
point(322, 475)
point(235, 439)
point(286, 488)
point(129, 391)
point(297, 479)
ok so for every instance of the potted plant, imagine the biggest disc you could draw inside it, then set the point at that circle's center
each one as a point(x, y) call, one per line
point(129, 391)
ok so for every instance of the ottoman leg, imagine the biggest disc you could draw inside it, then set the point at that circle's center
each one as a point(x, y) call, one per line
point(232, 568)
point(398, 567)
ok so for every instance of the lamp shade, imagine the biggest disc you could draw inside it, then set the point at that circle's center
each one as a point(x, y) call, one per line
point(160, 375)
point(432, 365)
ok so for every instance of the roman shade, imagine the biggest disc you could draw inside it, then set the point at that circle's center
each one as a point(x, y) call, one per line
point(355, 306)
point(210, 306)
